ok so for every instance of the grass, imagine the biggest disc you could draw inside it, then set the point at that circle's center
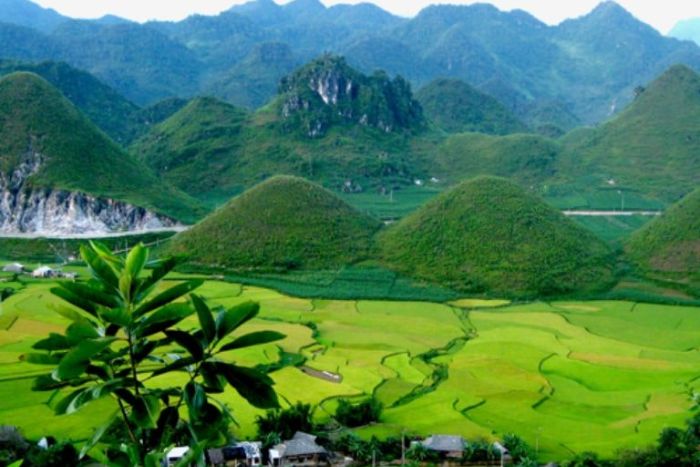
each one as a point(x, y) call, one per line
point(532, 250)
point(569, 376)
point(283, 223)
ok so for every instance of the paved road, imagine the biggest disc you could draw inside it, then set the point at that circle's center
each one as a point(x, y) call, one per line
point(612, 213)
point(93, 234)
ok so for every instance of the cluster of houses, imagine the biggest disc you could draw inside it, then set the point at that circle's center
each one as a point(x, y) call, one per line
point(303, 451)
point(42, 272)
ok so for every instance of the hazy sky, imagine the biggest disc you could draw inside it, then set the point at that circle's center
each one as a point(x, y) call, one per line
point(662, 14)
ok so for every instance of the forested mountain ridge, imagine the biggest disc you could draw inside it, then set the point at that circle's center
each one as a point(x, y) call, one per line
point(587, 66)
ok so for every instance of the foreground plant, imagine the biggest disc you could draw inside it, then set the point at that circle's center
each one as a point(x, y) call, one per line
point(127, 341)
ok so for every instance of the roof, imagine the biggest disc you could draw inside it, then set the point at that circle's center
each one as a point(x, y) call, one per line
point(444, 443)
point(178, 452)
point(46, 269)
point(216, 456)
point(302, 444)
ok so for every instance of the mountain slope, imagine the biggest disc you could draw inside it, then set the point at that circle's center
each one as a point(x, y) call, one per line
point(252, 82)
point(670, 243)
point(45, 137)
point(651, 147)
point(488, 235)
point(284, 222)
point(196, 148)
point(456, 107)
point(29, 14)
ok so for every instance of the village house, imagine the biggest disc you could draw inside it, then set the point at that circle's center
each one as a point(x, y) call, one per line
point(448, 446)
point(15, 268)
point(243, 454)
point(175, 455)
point(44, 272)
point(301, 450)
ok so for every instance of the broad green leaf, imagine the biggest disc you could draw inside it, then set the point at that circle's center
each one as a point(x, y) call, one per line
point(81, 330)
point(61, 407)
point(212, 379)
point(42, 358)
point(47, 383)
point(227, 321)
point(167, 421)
point(162, 268)
point(167, 296)
point(145, 411)
point(91, 293)
point(118, 316)
point(163, 319)
point(195, 398)
point(192, 345)
point(75, 300)
point(178, 364)
point(254, 338)
point(136, 260)
point(68, 313)
point(125, 285)
point(206, 319)
point(99, 267)
point(53, 342)
point(97, 435)
point(253, 386)
point(74, 363)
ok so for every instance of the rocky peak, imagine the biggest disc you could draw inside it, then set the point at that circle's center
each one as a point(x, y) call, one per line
point(328, 91)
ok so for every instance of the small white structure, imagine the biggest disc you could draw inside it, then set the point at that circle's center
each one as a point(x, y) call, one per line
point(16, 268)
point(43, 272)
point(175, 455)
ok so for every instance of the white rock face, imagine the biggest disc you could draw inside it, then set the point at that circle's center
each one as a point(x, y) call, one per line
point(42, 211)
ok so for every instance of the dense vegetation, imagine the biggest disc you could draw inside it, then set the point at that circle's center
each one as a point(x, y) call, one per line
point(511, 55)
point(457, 107)
point(650, 147)
point(284, 222)
point(489, 235)
point(36, 119)
point(327, 91)
point(670, 243)
point(196, 149)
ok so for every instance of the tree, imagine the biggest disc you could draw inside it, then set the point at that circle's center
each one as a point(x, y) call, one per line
point(126, 331)
point(283, 424)
point(354, 415)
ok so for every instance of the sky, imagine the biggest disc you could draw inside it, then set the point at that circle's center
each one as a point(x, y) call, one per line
point(662, 14)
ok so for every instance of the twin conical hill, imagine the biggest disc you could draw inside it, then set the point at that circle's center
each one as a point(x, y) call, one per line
point(282, 222)
point(55, 146)
point(670, 243)
point(489, 235)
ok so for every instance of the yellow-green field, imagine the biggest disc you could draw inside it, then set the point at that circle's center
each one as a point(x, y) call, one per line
point(568, 377)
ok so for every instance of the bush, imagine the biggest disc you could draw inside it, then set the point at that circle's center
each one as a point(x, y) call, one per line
point(58, 455)
point(284, 423)
point(354, 415)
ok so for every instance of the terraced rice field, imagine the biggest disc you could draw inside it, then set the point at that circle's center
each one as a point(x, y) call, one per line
point(568, 377)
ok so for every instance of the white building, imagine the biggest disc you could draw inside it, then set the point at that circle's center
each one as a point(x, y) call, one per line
point(43, 272)
point(16, 268)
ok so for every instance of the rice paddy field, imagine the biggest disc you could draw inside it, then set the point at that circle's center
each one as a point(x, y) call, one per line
point(566, 376)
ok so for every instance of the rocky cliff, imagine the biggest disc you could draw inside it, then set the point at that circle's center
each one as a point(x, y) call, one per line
point(328, 91)
point(25, 209)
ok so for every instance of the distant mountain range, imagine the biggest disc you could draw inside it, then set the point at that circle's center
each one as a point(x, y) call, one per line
point(583, 70)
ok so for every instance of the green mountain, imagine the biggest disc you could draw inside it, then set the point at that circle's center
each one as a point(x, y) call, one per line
point(29, 14)
point(327, 91)
point(671, 242)
point(213, 150)
point(457, 107)
point(651, 147)
point(115, 115)
point(284, 222)
point(531, 160)
point(43, 134)
point(196, 148)
point(489, 235)
point(252, 82)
